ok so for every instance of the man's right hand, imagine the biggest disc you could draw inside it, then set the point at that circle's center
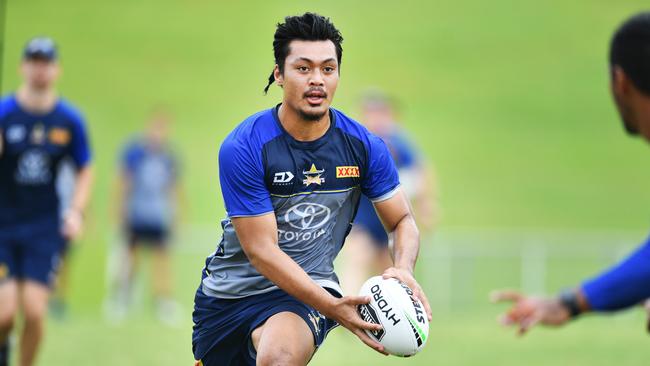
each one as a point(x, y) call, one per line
point(528, 311)
point(344, 311)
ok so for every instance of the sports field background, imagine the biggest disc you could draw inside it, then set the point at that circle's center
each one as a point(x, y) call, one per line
point(509, 99)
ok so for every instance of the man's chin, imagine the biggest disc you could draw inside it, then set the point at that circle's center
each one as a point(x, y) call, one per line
point(313, 114)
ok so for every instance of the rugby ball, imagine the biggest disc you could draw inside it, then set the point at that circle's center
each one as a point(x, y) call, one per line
point(402, 316)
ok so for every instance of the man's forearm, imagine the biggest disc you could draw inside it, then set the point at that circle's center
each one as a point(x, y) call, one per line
point(624, 285)
point(406, 239)
point(83, 186)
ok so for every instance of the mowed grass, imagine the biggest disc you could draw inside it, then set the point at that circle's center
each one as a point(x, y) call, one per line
point(509, 100)
point(464, 339)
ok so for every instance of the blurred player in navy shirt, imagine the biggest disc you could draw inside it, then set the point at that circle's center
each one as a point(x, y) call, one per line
point(148, 196)
point(367, 251)
point(38, 130)
point(628, 283)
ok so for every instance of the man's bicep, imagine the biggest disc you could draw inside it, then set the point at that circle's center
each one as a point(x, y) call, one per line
point(392, 210)
point(256, 230)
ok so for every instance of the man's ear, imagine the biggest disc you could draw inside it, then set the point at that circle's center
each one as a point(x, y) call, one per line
point(620, 82)
point(279, 78)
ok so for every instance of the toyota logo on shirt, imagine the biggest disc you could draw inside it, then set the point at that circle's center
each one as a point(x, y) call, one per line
point(306, 216)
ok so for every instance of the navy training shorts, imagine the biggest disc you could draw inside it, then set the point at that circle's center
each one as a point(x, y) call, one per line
point(31, 251)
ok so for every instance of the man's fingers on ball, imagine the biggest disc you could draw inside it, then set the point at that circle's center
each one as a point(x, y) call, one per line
point(369, 342)
point(369, 326)
point(425, 301)
point(358, 300)
point(389, 273)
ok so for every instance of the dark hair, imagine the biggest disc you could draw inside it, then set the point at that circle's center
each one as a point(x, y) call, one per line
point(306, 27)
point(630, 50)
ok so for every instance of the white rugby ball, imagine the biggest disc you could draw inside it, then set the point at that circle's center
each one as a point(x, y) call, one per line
point(402, 316)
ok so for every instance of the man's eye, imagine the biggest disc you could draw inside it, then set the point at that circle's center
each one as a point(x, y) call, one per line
point(328, 69)
point(303, 68)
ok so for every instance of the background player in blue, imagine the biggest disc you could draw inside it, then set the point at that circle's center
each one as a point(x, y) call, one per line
point(291, 178)
point(38, 129)
point(366, 251)
point(628, 283)
point(148, 195)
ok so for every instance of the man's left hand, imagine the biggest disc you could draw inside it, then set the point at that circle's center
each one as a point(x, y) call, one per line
point(406, 276)
point(72, 224)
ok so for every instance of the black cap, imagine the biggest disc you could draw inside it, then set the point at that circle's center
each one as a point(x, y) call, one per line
point(40, 48)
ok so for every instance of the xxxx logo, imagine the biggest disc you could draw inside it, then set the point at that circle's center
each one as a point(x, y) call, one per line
point(347, 172)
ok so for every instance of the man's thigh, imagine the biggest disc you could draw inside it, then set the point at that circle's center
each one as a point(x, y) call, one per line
point(284, 338)
point(9, 301)
point(34, 299)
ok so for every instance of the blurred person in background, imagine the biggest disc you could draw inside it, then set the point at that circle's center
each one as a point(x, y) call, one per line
point(38, 129)
point(147, 199)
point(628, 283)
point(367, 251)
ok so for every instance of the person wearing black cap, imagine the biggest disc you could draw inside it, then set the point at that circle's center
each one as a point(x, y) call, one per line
point(627, 283)
point(38, 130)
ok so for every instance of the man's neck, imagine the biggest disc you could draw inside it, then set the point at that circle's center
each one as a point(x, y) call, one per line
point(301, 129)
point(36, 100)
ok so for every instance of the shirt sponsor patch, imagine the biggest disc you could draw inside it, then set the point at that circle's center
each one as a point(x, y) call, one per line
point(347, 172)
point(59, 136)
point(282, 178)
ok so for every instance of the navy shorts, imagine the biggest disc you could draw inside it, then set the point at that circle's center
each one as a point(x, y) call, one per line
point(223, 327)
point(154, 235)
point(368, 220)
point(31, 251)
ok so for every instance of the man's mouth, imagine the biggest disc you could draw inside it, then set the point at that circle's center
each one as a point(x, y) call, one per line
point(315, 97)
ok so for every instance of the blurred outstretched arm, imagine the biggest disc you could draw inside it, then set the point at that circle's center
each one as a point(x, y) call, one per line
point(622, 286)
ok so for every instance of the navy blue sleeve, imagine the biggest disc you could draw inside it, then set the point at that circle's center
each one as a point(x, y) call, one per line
point(79, 146)
point(241, 174)
point(623, 285)
point(381, 179)
point(4, 110)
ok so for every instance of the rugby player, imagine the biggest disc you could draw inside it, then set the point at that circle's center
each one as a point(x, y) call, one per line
point(367, 249)
point(38, 130)
point(291, 178)
point(627, 283)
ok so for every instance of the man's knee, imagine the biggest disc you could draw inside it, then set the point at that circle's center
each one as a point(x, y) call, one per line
point(280, 356)
point(284, 339)
point(34, 315)
point(35, 297)
point(9, 308)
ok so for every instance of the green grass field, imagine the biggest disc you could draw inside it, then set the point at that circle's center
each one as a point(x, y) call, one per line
point(508, 99)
